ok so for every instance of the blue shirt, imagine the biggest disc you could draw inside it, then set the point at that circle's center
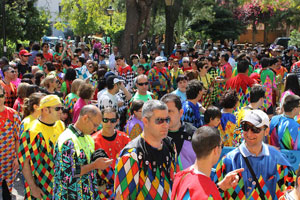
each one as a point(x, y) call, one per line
point(180, 94)
point(270, 166)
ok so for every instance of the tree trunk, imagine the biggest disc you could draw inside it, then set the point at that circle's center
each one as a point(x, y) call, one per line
point(253, 33)
point(265, 34)
point(172, 13)
point(137, 24)
point(288, 30)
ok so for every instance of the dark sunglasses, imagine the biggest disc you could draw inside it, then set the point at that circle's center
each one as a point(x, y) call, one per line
point(141, 84)
point(176, 63)
point(246, 127)
point(58, 108)
point(13, 71)
point(112, 120)
point(162, 120)
point(2, 95)
point(185, 62)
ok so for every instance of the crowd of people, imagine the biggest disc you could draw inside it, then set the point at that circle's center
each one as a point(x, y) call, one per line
point(77, 124)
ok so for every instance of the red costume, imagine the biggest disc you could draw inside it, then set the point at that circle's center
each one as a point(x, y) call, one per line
point(240, 81)
point(197, 185)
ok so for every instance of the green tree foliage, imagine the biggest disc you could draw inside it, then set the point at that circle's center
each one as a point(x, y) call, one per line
point(223, 26)
point(86, 17)
point(295, 38)
point(24, 21)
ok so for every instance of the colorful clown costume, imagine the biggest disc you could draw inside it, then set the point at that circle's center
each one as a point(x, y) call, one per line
point(285, 132)
point(112, 147)
point(227, 130)
point(9, 128)
point(37, 145)
point(70, 101)
point(144, 172)
point(273, 171)
point(72, 151)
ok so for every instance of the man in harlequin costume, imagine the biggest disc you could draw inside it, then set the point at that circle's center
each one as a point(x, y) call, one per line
point(75, 160)
point(195, 182)
point(267, 172)
point(37, 148)
point(112, 141)
point(284, 130)
point(241, 83)
point(9, 131)
point(181, 132)
point(159, 77)
point(146, 167)
point(257, 97)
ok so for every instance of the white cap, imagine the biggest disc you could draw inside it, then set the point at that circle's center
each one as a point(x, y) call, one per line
point(159, 59)
point(257, 117)
point(185, 59)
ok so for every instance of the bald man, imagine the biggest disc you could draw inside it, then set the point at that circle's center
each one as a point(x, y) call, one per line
point(75, 166)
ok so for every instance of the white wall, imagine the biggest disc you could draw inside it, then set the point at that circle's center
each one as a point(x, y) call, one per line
point(53, 7)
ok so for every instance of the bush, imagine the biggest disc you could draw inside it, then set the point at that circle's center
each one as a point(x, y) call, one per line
point(295, 38)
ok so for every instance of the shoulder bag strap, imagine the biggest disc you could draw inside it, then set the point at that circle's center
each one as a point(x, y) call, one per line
point(261, 192)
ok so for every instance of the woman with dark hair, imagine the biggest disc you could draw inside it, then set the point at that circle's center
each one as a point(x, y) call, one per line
point(291, 86)
point(68, 79)
point(48, 67)
point(38, 76)
point(135, 126)
point(58, 54)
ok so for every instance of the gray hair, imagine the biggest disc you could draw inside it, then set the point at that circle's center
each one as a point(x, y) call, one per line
point(152, 105)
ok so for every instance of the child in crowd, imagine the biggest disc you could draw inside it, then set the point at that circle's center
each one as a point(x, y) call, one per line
point(229, 102)
point(212, 116)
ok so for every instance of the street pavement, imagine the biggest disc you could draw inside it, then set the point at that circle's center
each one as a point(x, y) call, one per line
point(18, 189)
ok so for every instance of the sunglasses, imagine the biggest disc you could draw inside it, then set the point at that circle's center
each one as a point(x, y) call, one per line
point(2, 95)
point(13, 71)
point(141, 84)
point(246, 127)
point(185, 62)
point(112, 120)
point(58, 108)
point(162, 120)
point(176, 63)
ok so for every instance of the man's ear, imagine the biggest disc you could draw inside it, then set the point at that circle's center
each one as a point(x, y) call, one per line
point(181, 112)
point(145, 121)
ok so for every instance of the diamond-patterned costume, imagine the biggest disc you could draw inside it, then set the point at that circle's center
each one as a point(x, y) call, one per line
point(272, 170)
point(9, 128)
point(226, 128)
point(37, 145)
point(112, 147)
point(191, 114)
point(144, 172)
point(70, 101)
point(72, 151)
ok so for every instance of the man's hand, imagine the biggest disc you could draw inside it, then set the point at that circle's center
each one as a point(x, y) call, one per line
point(37, 192)
point(102, 163)
point(15, 164)
point(230, 180)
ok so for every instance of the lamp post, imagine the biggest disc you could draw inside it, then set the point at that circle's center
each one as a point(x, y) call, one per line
point(110, 11)
point(3, 28)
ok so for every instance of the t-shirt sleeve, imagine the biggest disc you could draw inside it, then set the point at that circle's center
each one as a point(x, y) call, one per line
point(127, 176)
